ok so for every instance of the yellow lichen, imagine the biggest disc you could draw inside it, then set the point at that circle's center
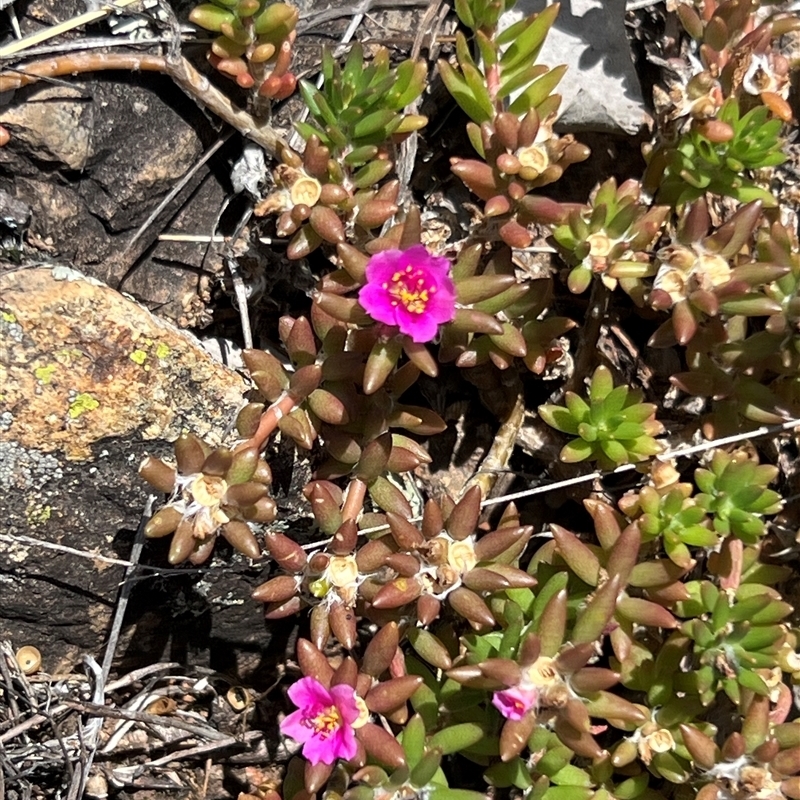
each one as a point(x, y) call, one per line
point(138, 357)
point(81, 404)
point(45, 374)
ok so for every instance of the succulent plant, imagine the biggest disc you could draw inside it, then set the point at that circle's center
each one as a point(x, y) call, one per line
point(518, 149)
point(360, 107)
point(699, 275)
point(716, 155)
point(610, 238)
point(735, 495)
point(355, 115)
point(673, 516)
point(438, 562)
point(254, 47)
point(212, 491)
point(420, 776)
point(736, 53)
point(612, 425)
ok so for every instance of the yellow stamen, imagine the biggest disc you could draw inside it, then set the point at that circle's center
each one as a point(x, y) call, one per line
point(410, 289)
point(326, 722)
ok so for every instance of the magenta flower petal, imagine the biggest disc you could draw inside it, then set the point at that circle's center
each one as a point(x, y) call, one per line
point(410, 289)
point(345, 699)
point(323, 723)
point(309, 692)
point(514, 703)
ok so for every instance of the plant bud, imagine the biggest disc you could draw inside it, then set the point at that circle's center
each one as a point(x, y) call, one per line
point(240, 536)
point(470, 605)
point(159, 475)
point(381, 745)
point(389, 695)
point(276, 590)
point(190, 453)
point(289, 555)
point(163, 522)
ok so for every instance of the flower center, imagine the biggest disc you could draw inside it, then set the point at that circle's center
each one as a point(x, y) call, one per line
point(410, 288)
point(326, 722)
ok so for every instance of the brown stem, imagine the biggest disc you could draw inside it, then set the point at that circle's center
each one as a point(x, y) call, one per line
point(178, 68)
point(77, 63)
point(269, 421)
point(354, 499)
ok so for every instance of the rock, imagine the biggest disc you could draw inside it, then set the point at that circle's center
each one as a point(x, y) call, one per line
point(91, 382)
point(601, 90)
point(54, 126)
point(88, 364)
point(93, 158)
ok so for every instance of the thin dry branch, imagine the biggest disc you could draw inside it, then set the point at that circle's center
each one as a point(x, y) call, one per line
point(193, 83)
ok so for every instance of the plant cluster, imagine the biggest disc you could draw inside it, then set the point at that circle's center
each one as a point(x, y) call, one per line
point(647, 652)
point(254, 46)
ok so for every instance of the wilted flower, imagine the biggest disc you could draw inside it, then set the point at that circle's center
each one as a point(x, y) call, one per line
point(514, 703)
point(410, 289)
point(324, 721)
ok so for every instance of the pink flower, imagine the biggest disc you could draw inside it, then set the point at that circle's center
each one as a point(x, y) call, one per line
point(514, 703)
point(324, 721)
point(410, 289)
